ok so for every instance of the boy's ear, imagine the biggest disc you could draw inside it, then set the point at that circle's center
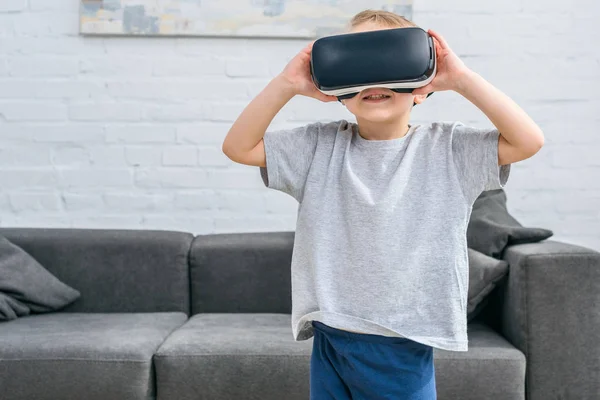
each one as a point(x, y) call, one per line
point(419, 98)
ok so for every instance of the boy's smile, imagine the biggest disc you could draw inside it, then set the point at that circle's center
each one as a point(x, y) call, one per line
point(376, 95)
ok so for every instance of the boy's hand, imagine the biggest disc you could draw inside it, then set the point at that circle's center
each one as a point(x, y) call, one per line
point(297, 75)
point(450, 68)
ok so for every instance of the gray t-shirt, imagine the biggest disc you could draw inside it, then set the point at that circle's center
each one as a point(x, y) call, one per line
point(380, 244)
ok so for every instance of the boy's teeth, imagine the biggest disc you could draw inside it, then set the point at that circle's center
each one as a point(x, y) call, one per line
point(376, 96)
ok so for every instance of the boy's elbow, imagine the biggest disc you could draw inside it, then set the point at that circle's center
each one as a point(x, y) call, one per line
point(533, 147)
point(228, 150)
point(225, 148)
point(542, 140)
point(533, 144)
point(538, 142)
point(233, 154)
point(255, 156)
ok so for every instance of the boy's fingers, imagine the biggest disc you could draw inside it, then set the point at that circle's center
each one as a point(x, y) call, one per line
point(437, 43)
point(325, 97)
point(440, 39)
point(423, 90)
point(308, 47)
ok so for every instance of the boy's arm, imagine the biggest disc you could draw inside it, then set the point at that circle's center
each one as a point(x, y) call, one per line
point(244, 141)
point(520, 137)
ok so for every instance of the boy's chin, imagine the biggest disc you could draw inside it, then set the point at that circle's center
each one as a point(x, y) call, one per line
point(381, 115)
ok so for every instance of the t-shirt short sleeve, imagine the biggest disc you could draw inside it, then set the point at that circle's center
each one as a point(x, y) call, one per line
point(475, 155)
point(289, 154)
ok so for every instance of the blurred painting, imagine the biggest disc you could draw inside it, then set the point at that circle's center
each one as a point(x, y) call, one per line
point(245, 18)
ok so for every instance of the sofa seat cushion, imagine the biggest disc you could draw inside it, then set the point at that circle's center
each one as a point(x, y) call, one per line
point(492, 368)
point(233, 356)
point(82, 356)
point(230, 356)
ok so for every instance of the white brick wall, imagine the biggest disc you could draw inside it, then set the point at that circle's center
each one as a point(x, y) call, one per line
point(126, 132)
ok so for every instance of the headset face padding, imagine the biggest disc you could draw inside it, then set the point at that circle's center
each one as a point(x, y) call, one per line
point(400, 59)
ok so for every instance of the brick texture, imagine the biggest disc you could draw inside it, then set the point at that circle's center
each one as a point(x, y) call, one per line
point(127, 132)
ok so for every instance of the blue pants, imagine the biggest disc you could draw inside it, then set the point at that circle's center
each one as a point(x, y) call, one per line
point(347, 365)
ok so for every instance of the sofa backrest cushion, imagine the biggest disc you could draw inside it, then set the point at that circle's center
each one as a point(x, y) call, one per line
point(241, 273)
point(114, 270)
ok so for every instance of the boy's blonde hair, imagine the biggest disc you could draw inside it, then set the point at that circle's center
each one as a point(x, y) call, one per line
point(381, 17)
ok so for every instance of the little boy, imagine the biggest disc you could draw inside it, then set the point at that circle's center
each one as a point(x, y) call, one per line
point(379, 267)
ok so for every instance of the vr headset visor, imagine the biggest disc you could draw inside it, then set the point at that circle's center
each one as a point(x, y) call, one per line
point(400, 59)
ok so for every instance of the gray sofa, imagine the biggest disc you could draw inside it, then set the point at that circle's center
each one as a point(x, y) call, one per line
point(169, 316)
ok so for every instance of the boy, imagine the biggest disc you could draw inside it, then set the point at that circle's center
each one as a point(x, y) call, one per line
point(380, 268)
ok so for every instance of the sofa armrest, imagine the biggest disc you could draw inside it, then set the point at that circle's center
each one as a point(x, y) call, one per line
point(551, 312)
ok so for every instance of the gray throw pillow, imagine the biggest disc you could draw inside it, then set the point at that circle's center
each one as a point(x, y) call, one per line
point(484, 275)
point(491, 228)
point(26, 287)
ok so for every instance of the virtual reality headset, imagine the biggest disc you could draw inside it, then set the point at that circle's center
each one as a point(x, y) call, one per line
point(400, 59)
